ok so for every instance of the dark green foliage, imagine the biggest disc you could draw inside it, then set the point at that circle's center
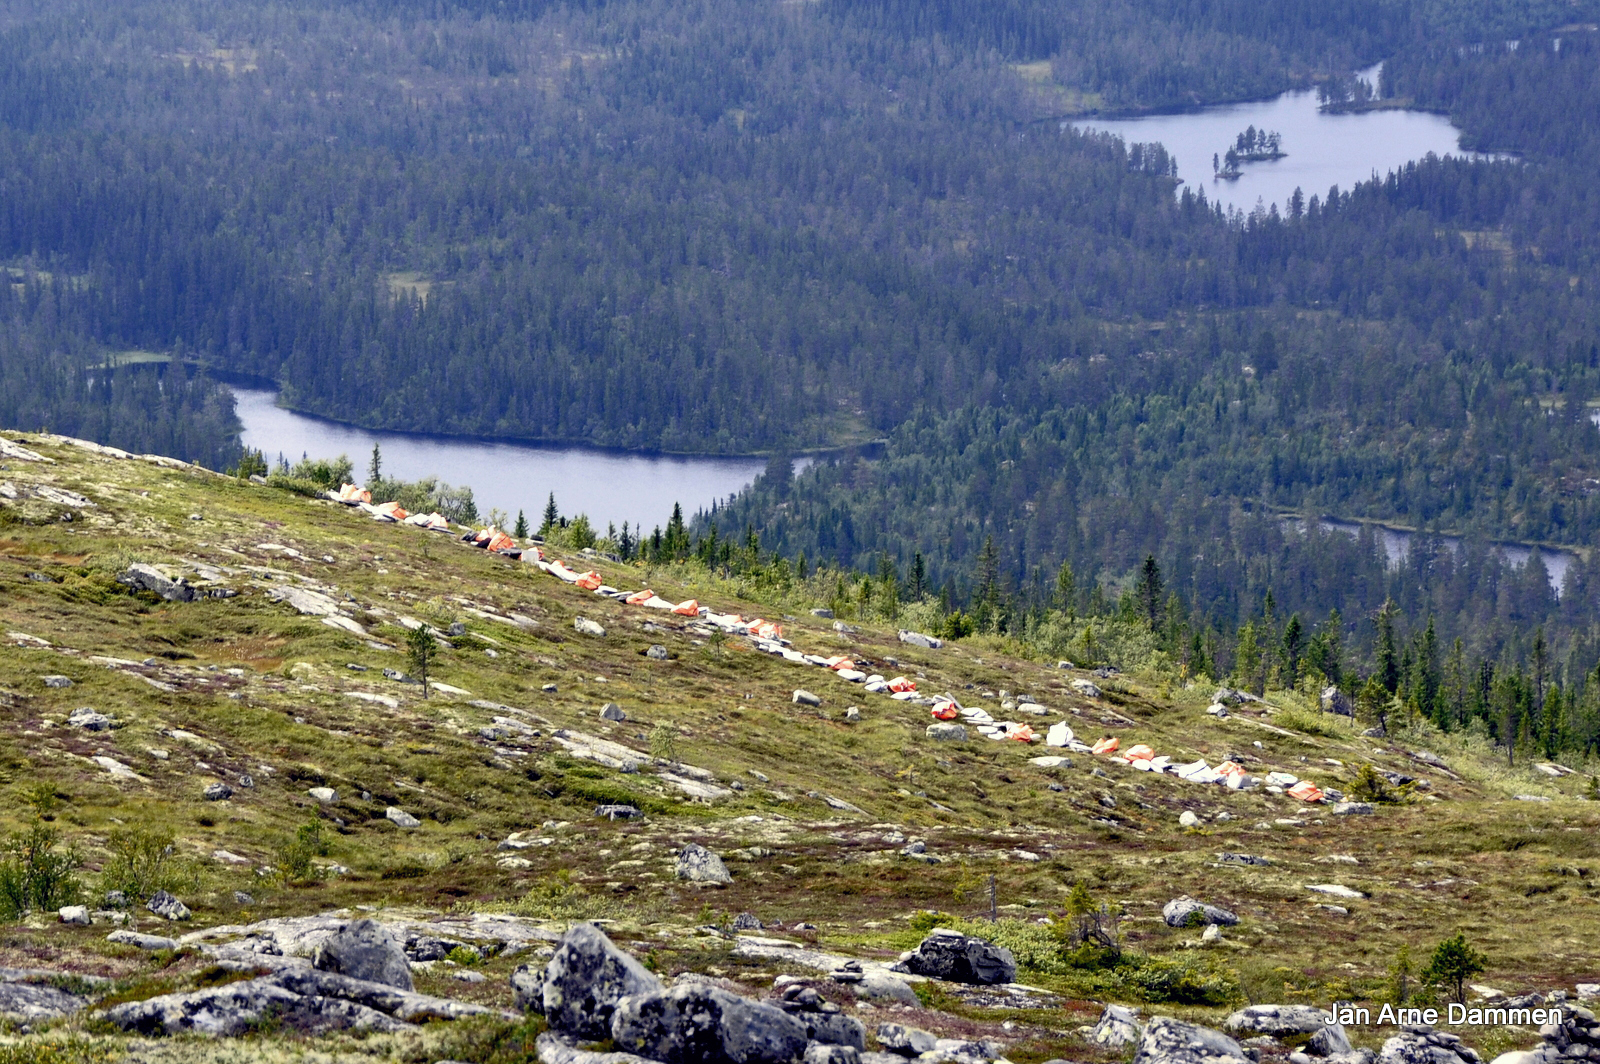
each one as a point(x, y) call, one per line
point(420, 647)
point(1452, 964)
point(143, 862)
point(296, 853)
point(36, 874)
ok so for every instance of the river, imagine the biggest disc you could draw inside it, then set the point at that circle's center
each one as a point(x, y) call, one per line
point(610, 486)
point(1320, 149)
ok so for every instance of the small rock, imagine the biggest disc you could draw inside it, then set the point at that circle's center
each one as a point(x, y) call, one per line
point(613, 812)
point(163, 904)
point(1170, 1041)
point(247, 781)
point(243, 898)
point(818, 1053)
point(747, 922)
point(1212, 933)
point(802, 697)
point(825, 614)
point(400, 818)
point(549, 688)
point(613, 712)
point(149, 578)
point(917, 639)
point(1188, 819)
point(75, 914)
point(907, 1041)
point(324, 795)
point(217, 792)
point(587, 627)
point(56, 681)
point(699, 865)
point(657, 652)
point(1353, 809)
point(1279, 1021)
point(852, 715)
point(947, 732)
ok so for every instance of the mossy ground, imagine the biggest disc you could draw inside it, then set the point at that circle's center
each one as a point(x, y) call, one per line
point(246, 686)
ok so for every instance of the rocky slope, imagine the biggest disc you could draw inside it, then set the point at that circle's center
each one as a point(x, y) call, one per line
point(359, 869)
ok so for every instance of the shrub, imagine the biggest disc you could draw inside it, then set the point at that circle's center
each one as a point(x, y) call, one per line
point(1372, 786)
point(294, 856)
point(36, 876)
point(143, 862)
point(1183, 981)
point(1452, 964)
point(1309, 723)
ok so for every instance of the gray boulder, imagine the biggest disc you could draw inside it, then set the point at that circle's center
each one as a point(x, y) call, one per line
point(1276, 1020)
point(88, 719)
point(1119, 1026)
point(917, 639)
point(148, 578)
point(400, 818)
point(1186, 912)
point(580, 987)
point(657, 652)
point(699, 865)
point(587, 627)
point(612, 712)
point(1336, 701)
point(802, 697)
point(955, 957)
point(876, 984)
point(907, 1041)
point(125, 937)
point(163, 904)
point(364, 949)
point(24, 1003)
point(948, 732)
point(1330, 1041)
point(236, 1008)
point(558, 1049)
point(217, 792)
point(700, 1024)
point(1169, 1041)
point(57, 681)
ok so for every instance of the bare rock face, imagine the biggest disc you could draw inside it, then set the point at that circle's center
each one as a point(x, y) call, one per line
point(580, 987)
point(1276, 1020)
point(365, 950)
point(700, 1024)
point(1185, 911)
point(955, 957)
point(25, 1003)
point(149, 578)
point(1119, 1026)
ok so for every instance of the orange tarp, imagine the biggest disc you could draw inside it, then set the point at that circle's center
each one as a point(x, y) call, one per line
point(352, 493)
point(900, 685)
point(639, 598)
point(688, 607)
point(394, 510)
point(1022, 734)
point(1105, 746)
point(589, 580)
point(501, 541)
point(1140, 753)
point(1306, 791)
point(945, 711)
point(1231, 768)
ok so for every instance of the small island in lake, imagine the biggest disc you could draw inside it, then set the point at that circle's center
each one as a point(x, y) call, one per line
point(1252, 146)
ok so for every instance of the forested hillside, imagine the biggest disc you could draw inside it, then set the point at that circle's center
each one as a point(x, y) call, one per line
point(729, 228)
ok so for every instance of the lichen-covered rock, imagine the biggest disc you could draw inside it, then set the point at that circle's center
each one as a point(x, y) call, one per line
point(580, 987)
point(958, 958)
point(1276, 1020)
point(1169, 1041)
point(1119, 1026)
point(1186, 912)
point(699, 865)
point(365, 950)
point(25, 1003)
point(1424, 1045)
point(699, 1024)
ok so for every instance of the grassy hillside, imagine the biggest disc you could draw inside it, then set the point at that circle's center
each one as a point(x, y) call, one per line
point(810, 810)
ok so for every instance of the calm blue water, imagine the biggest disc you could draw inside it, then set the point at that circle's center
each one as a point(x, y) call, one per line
point(1322, 149)
point(610, 486)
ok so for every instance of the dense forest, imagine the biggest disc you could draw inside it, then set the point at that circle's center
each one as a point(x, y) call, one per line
point(728, 228)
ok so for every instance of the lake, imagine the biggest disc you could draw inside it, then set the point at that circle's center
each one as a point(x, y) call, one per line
point(1321, 149)
point(610, 486)
point(1397, 544)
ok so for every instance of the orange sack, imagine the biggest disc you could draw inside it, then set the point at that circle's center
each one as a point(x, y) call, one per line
point(639, 598)
point(589, 580)
point(945, 711)
point(688, 608)
point(900, 685)
point(1105, 746)
point(1023, 734)
point(1140, 753)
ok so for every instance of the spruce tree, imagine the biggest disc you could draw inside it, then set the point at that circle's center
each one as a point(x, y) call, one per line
point(521, 531)
point(1386, 652)
point(375, 467)
point(1148, 592)
point(552, 516)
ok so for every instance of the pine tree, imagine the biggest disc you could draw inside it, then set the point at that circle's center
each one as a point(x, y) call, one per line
point(1247, 656)
point(375, 467)
point(986, 593)
point(420, 645)
point(919, 577)
point(1293, 650)
point(521, 531)
point(1148, 592)
point(552, 516)
point(1066, 590)
point(1386, 652)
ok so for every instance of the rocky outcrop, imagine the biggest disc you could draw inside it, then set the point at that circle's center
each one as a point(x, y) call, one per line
point(1169, 1041)
point(700, 1024)
point(1424, 1045)
point(26, 1003)
point(143, 577)
point(1577, 1031)
point(822, 1020)
point(957, 958)
point(364, 950)
point(1276, 1020)
point(580, 987)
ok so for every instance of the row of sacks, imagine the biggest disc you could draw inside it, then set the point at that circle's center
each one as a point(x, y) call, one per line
point(361, 499)
point(1230, 774)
